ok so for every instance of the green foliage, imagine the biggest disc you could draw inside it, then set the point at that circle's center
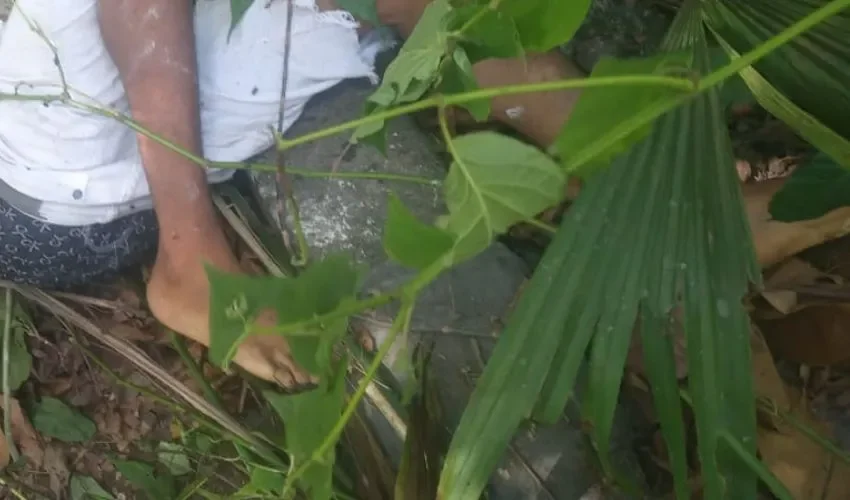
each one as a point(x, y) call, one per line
point(263, 482)
point(458, 78)
point(783, 82)
point(238, 8)
point(144, 477)
point(365, 10)
point(588, 141)
point(544, 25)
point(494, 182)
point(410, 242)
point(237, 300)
point(20, 359)
point(486, 32)
point(412, 73)
point(51, 417)
point(733, 91)
point(174, 458)
point(317, 411)
point(87, 488)
point(818, 186)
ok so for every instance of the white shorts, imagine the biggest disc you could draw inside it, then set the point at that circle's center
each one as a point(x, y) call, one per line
point(83, 168)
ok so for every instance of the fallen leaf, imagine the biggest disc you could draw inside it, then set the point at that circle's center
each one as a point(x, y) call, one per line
point(5, 457)
point(776, 241)
point(779, 284)
point(87, 488)
point(54, 418)
point(129, 332)
point(143, 476)
point(174, 458)
point(24, 435)
point(806, 468)
point(816, 335)
point(57, 469)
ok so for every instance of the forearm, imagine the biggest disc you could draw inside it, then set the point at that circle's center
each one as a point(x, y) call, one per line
point(152, 44)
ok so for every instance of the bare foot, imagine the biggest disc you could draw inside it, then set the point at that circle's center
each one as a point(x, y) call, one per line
point(178, 296)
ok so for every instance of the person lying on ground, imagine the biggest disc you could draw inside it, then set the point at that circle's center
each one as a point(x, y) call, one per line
point(83, 197)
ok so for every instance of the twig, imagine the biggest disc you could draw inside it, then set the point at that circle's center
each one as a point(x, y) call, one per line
point(7, 402)
point(247, 235)
point(285, 194)
point(85, 300)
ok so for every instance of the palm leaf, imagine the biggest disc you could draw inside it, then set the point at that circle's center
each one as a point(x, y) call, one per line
point(663, 227)
point(784, 82)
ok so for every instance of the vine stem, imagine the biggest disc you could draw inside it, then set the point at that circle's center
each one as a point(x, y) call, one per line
point(675, 83)
point(401, 323)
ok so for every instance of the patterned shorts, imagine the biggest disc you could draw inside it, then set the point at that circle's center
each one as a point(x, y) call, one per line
point(34, 252)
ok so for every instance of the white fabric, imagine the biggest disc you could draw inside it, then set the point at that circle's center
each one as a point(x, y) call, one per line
point(85, 168)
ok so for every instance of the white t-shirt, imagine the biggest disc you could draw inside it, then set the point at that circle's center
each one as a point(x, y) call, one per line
point(85, 168)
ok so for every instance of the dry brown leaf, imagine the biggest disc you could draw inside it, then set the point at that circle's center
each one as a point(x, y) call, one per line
point(129, 332)
point(816, 335)
point(792, 273)
point(57, 469)
point(25, 437)
point(807, 469)
point(5, 456)
point(776, 241)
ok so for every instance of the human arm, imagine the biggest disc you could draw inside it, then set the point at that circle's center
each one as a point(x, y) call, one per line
point(153, 46)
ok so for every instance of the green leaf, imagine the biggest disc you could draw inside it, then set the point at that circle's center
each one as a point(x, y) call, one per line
point(264, 482)
point(410, 242)
point(585, 144)
point(458, 78)
point(733, 90)
point(87, 488)
point(363, 10)
point(143, 477)
point(660, 362)
point(174, 458)
point(494, 182)
point(803, 82)
point(816, 187)
point(415, 68)
point(54, 418)
point(238, 8)
point(493, 34)
point(545, 24)
point(237, 299)
point(673, 201)
point(308, 420)
point(20, 360)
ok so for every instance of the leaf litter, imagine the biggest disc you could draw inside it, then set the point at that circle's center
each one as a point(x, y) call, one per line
point(72, 416)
